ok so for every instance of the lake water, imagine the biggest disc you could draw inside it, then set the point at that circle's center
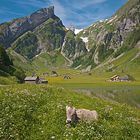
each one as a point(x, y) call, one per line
point(127, 94)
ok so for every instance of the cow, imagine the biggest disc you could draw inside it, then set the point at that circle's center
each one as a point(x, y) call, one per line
point(74, 115)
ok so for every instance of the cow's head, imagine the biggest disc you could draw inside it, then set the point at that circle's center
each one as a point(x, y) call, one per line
point(71, 114)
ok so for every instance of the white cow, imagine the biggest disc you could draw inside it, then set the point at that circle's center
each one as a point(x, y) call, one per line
point(73, 115)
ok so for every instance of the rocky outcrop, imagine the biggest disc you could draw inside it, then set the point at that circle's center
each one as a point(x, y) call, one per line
point(73, 47)
point(42, 31)
point(50, 34)
point(12, 30)
point(112, 35)
point(27, 45)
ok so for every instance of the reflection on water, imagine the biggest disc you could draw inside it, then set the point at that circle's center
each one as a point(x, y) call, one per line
point(127, 94)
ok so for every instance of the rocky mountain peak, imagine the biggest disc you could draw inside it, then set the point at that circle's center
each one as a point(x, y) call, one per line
point(19, 26)
point(40, 16)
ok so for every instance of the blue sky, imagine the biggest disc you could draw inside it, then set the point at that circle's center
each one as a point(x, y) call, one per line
point(80, 13)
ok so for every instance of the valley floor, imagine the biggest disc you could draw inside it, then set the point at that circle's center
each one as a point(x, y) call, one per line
point(98, 85)
point(31, 111)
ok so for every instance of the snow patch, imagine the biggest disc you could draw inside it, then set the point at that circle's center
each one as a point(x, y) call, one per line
point(85, 39)
point(36, 55)
point(77, 31)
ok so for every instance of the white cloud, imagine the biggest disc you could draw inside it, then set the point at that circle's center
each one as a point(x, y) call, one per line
point(80, 4)
point(59, 8)
point(68, 11)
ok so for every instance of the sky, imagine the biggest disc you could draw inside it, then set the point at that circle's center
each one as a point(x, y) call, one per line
point(79, 13)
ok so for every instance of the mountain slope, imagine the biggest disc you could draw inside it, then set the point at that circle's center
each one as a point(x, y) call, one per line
point(73, 46)
point(7, 68)
point(20, 62)
point(40, 32)
point(12, 30)
point(49, 61)
point(110, 38)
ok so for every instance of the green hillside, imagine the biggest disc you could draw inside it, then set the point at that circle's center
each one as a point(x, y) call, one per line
point(127, 63)
point(47, 61)
point(7, 68)
point(51, 34)
point(38, 112)
point(26, 45)
point(40, 63)
point(20, 61)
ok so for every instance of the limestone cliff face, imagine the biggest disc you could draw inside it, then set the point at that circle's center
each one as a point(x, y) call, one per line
point(9, 32)
point(73, 47)
point(50, 34)
point(42, 31)
point(111, 36)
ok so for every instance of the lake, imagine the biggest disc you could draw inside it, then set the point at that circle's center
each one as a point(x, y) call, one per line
point(127, 94)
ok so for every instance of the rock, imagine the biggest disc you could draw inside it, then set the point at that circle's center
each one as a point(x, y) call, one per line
point(12, 30)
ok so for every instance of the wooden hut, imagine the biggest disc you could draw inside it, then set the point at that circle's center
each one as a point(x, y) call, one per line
point(43, 81)
point(115, 78)
point(124, 78)
point(32, 80)
point(66, 77)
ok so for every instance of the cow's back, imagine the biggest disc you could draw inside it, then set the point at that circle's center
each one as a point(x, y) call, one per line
point(85, 114)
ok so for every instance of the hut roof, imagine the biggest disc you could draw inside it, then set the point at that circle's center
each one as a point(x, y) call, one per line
point(31, 78)
point(43, 80)
point(124, 78)
point(114, 76)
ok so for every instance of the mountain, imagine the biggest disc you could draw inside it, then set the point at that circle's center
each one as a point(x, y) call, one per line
point(111, 38)
point(12, 30)
point(42, 36)
point(42, 31)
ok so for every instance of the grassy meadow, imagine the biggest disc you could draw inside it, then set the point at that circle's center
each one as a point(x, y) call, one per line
point(38, 112)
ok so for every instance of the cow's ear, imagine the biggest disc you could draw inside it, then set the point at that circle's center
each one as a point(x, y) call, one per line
point(74, 110)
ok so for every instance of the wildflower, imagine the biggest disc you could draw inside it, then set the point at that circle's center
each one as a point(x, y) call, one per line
point(53, 137)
